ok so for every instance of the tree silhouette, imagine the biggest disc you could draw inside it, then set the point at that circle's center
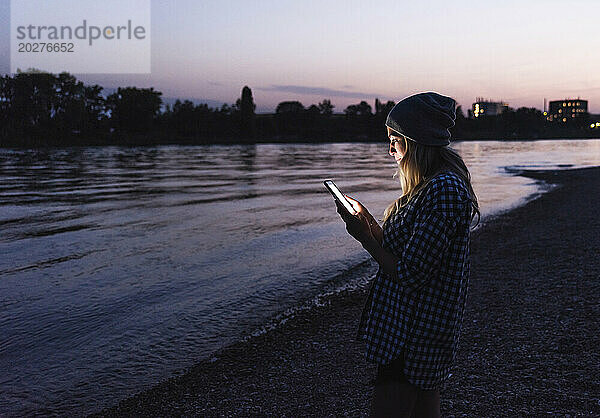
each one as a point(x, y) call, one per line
point(133, 110)
point(313, 111)
point(381, 112)
point(289, 107)
point(183, 118)
point(326, 108)
point(248, 116)
point(29, 102)
point(361, 110)
point(39, 108)
point(80, 108)
point(289, 117)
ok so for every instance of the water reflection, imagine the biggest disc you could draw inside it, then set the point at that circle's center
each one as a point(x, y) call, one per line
point(248, 156)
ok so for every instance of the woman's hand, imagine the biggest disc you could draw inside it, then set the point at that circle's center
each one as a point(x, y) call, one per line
point(365, 229)
point(376, 230)
point(362, 226)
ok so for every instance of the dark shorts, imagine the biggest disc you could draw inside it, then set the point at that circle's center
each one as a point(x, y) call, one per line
point(394, 370)
point(394, 395)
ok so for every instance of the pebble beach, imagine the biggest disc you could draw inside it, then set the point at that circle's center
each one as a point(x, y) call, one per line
point(530, 342)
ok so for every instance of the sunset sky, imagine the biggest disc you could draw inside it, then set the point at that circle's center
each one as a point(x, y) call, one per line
point(347, 51)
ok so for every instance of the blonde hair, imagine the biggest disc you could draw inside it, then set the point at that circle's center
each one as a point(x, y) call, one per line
point(419, 164)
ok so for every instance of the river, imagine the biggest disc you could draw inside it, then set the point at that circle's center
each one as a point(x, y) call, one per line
point(124, 266)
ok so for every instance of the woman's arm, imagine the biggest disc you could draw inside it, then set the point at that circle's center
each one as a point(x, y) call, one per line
point(422, 252)
point(386, 260)
point(365, 230)
point(433, 228)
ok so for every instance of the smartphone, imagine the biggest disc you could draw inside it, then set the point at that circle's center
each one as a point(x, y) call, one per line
point(337, 195)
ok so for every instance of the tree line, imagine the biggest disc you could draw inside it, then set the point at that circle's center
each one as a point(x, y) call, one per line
point(38, 108)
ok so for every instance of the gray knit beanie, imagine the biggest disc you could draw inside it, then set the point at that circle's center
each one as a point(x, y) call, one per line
point(425, 118)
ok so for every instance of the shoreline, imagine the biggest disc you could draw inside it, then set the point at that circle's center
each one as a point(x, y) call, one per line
point(528, 346)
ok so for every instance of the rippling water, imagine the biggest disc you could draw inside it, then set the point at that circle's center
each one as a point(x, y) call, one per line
point(123, 266)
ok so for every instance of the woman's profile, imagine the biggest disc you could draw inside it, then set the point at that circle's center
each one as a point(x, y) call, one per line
point(412, 316)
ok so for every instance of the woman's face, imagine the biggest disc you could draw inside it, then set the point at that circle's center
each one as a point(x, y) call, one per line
point(396, 150)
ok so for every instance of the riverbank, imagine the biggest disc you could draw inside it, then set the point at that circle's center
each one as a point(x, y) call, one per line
point(529, 344)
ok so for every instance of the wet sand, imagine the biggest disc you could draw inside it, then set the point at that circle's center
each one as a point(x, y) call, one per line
point(530, 341)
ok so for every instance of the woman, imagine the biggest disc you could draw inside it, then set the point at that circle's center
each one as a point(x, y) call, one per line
point(413, 313)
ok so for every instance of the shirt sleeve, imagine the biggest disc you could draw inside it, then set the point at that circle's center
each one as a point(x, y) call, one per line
point(434, 228)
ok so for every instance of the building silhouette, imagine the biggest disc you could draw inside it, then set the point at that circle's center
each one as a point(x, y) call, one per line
point(566, 110)
point(487, 107)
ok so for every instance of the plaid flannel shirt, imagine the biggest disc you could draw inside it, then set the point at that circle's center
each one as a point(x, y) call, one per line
point(420, 315)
